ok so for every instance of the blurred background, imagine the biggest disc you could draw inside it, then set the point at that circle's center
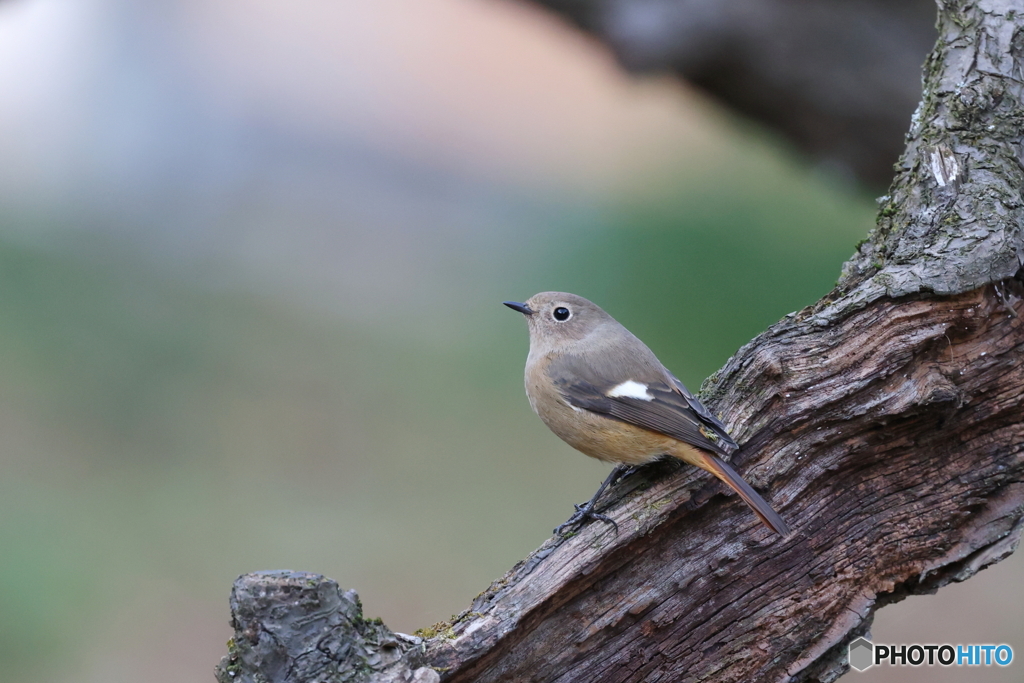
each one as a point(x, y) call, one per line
point(252, 259)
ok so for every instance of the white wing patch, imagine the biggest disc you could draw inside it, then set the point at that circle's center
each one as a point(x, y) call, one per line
point(630, 389)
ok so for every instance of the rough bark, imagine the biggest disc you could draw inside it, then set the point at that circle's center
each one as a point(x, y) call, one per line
point(884, 423)
point(301, 628)
point(838, 79)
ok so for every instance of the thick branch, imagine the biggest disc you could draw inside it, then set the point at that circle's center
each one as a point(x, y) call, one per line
point(884, 423)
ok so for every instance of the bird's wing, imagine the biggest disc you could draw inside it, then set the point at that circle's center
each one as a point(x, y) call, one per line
point(706, 416)
point(643, 395)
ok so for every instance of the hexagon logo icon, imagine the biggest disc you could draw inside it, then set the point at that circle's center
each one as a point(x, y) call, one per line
point(862, 654)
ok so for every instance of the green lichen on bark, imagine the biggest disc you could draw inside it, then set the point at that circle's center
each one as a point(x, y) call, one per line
point(953, 220)
point(954, 217)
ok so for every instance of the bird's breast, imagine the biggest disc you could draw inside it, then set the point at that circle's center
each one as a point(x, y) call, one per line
point(590, 433)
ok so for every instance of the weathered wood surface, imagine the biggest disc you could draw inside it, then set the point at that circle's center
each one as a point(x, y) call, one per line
point(885, 424)
point(297, 627)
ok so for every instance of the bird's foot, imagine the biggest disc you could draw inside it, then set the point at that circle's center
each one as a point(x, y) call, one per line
point(582, 514)
point(623, 472)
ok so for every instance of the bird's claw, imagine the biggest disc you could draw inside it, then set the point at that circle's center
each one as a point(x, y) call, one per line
point(582, 514)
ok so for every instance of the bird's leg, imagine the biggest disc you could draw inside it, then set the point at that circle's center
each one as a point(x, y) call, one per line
point(586, 511)
point(621, 472)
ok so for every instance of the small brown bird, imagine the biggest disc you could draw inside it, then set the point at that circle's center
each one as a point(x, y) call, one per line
point(603, 392)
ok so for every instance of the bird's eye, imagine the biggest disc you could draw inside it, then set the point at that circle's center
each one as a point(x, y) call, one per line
point(561, 314)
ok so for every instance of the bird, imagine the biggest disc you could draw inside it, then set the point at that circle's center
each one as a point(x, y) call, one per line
point(604, 392)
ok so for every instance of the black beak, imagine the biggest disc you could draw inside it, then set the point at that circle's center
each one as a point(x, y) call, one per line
point(522, 308)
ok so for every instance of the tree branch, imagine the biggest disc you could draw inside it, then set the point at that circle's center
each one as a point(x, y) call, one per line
point(884, 423)
point(837, 79)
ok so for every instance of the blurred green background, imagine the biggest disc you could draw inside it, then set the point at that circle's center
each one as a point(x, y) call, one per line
point(251, 266)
